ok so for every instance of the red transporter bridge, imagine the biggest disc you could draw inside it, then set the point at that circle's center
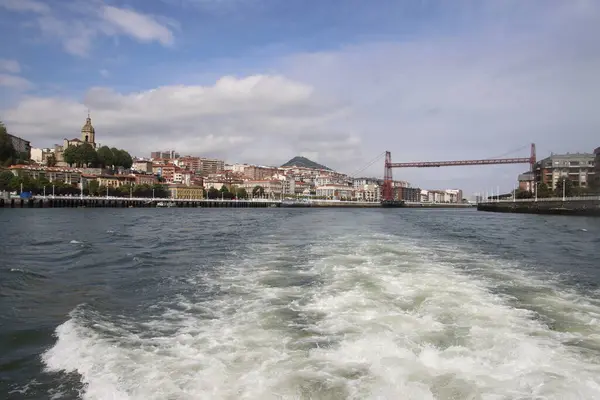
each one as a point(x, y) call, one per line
point(388, 190)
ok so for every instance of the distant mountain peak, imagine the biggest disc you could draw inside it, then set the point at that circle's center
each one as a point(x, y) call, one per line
point(300, 161)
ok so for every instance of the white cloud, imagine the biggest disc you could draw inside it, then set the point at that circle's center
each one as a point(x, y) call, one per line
point(11, 66)
point(465, 97)
point(251, 116)
point(14, 82)
point(140, 26)
point(521, 75)
point(25, 5)
point(77, 24)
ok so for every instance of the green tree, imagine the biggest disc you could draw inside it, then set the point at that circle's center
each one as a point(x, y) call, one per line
point(568, 188)
point(51, 160)
point(543, 191)
point(8, 154)
point(258, 191)
point(121, 158)
point(105, 157)
point(70, 155)
point(213, 193)
point(87, 155)
point(241, 193)
point(93, 187)
point(522, 194)
point(5, 178)
point(161, 191)
point(126, 159)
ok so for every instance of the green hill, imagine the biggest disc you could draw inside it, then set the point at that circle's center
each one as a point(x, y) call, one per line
point(304, 162)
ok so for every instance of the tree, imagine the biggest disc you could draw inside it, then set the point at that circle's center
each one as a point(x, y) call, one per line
point(121, 158)
point(105, 157)
point(161, 191)
point(93, 187)
point(213, 193)
point(126, 160)
point(522, 194)
point(543, 191)
point(87, 155)
point(51, 160)
point(5, 178)
point(241, 193)
point(568, 188)
point(258, 191)
point(8, 154)
point(70, 155)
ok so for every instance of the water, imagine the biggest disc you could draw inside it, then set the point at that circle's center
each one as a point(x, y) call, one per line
point(298, 304)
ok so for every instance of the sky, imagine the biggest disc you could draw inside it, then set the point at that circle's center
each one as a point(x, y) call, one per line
point(338, 81)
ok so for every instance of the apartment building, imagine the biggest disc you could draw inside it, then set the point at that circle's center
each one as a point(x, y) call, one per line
point(212, 166)
point(22, 146)
point(169, 155)
point(186, 192)
point(368, 192)
point(595, 182)
point(190, 163)
point(408, 194)
point(257, 173)
point(144, 166)
point(273, 188)
point(335, 192)
point(526, 181)
point(577, 167)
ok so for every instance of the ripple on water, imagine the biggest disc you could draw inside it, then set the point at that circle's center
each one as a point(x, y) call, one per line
point(288, 313)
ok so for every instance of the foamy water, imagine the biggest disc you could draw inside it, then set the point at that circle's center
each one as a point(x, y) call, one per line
point(358, 314)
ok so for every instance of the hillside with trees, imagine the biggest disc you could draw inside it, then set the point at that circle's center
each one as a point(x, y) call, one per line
point(304, 162)
point(105, 157)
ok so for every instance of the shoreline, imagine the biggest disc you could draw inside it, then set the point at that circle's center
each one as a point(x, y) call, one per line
point(100, 202)
point(587, 207)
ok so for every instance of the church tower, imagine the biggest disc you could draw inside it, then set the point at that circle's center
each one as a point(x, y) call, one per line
point(88, 133)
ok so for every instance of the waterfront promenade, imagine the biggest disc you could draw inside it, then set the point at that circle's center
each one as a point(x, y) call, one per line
point(585, 206)
point(127, 202)
point(137, 202)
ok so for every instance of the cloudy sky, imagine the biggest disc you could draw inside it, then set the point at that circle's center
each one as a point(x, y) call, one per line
point(339, 81)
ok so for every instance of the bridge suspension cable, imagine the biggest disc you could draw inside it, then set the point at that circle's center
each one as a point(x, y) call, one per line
point(373, 161)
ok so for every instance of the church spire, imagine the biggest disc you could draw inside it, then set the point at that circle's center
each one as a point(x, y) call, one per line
point(88, 133)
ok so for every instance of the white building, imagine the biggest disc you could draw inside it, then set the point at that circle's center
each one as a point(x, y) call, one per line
point(335, 192)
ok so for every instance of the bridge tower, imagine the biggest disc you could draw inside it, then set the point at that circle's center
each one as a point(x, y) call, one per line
point(388, 189)
point(532, 158)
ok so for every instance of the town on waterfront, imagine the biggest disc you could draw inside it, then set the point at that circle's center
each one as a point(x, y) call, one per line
point(83, 167)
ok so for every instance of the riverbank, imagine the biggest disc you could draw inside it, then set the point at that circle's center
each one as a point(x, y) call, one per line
point(99, 202)
point(438, 205)
point(120, 202)
point(582, 206)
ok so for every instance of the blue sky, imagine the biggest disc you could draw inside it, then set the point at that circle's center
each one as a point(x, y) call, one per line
point(339, 81)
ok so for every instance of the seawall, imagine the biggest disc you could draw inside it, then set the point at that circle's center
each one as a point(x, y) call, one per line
point(76, 202)
point(438, 205)
point(583, 207)
point(344, 204)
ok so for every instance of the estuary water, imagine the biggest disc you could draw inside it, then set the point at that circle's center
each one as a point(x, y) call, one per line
point(263, 304)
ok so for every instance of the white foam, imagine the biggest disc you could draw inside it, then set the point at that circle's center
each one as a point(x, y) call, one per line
point(384, 319)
